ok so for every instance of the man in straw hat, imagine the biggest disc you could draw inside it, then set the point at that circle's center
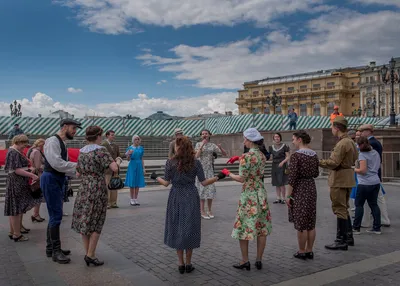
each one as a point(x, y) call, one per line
point(367, 130)
point(341, 180)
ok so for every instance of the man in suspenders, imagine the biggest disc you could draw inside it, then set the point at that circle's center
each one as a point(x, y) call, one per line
point(56, 167)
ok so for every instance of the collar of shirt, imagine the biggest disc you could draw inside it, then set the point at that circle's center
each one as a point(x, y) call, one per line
point(109, 142)
point(370, 137)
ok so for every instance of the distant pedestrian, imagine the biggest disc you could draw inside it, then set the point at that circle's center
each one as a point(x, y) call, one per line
point(15, 131)
point(292, 119)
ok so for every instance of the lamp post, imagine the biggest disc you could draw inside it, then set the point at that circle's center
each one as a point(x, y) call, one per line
point(391, 78)
point(15, 109)
point(274, 100)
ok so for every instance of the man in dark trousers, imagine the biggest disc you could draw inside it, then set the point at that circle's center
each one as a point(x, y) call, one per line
point(56, 167)
point(341, 180)
point(367, 130)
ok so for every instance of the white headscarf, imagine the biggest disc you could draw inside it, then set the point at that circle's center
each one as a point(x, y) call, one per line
point(134, 137)
point(252, 135)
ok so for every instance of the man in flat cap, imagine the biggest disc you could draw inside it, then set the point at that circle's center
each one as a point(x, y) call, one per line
point(341, 180)
point(56, 167)
point(171, 152)
point(367, 130)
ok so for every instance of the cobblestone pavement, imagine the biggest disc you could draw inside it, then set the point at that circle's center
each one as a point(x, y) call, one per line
point(132, 246)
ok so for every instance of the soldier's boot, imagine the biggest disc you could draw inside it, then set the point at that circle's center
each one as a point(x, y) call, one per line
point(342, 244)
point(350, 237)
point(49, 245)
point(58, 255)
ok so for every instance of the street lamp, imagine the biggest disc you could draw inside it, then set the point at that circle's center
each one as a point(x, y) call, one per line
point(391, 78)
point(15, 109)
point(274, 100)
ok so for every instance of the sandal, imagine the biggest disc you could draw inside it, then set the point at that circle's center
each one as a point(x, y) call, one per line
point(24, 230)
point(10, 235)
point(20, 238)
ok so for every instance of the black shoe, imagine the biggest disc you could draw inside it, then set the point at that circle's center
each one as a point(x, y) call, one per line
point(277, 202)
point(337, 246)
point(181, 269)
point(49, 253)
point(37, 219)
point(189, 268)
point(258, 265)
point(310, 255)
point(245, 265)
point(300, 255)
point(93, 261)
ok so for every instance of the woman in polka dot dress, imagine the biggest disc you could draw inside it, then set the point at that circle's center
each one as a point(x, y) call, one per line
point(183, 221)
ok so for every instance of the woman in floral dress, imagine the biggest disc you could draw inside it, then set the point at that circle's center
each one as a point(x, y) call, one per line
point(253, 218)
point(302, 193)
point(204, 151)
point(91, 201)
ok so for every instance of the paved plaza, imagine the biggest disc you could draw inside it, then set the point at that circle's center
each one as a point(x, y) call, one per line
point(132, 247)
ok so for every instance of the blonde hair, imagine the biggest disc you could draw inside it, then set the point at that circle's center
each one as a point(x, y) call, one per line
point(20, 139)
point(38, 142)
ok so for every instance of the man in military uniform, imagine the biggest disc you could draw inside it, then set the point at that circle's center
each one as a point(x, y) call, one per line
point(113, 149)
point(341, 180)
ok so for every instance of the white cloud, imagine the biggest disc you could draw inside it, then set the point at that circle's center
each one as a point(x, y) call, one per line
point(339, 39)
point(74, 90)
point(115, 16)
point(161, 81)
point(141, 106)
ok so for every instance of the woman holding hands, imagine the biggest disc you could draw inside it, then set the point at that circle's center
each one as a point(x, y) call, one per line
point(253, 218)
point(204, 152)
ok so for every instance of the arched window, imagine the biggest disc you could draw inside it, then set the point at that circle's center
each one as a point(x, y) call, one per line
point(317, 109)
point(303, 109)
point(278, 109)
point(331, 105)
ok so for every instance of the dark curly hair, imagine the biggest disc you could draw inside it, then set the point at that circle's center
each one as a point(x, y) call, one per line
point(92, 132)
point(303, 135)
point(184, 154)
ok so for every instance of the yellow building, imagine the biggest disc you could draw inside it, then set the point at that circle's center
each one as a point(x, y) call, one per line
point(314, 93)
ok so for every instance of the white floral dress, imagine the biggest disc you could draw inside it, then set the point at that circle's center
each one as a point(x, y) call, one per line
point(206, 159)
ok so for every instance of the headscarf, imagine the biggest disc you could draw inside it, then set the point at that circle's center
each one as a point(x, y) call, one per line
point(252, 135)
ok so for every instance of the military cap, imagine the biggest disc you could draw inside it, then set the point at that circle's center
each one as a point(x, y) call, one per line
point(70, 121)
point(366, 127)
point(341, 120)
point(178, 131)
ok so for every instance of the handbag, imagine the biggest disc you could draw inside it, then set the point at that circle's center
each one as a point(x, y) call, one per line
point(116, 182)
point(36, 191)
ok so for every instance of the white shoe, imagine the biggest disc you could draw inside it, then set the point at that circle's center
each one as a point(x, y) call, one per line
point(205, 216)
point(65, 214)
point(133, 203)
point(210, 215)
point(137, 202)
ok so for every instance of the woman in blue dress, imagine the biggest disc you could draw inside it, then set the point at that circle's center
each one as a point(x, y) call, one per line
point(136, 171)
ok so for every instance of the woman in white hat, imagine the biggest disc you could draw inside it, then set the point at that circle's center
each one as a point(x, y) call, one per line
point(253, 218)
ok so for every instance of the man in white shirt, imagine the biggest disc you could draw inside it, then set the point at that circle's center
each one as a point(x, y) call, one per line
point(56, 167)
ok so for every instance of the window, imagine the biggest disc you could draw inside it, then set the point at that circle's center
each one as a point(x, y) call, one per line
point(303, 87)
point(255, 93)
point(331, 105)
point(331, 95)
point(290, 89)
point(266, 92)
point(367, 79)
point(315, 97)
point(256, 110)
point(278, 109)
point(266, 110)
point(330, 85)
point(278, 90)
point(289, 99)
point(316, 86)
point(353, 104)
point(303, 109)
point(371, 79)
point(353, 84)
point(317, 109)
point(369, 90)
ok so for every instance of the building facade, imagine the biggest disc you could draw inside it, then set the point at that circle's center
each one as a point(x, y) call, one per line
point(314, 93)
point(375, 96)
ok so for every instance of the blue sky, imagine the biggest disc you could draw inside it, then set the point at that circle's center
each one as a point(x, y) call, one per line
point(183, 57)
